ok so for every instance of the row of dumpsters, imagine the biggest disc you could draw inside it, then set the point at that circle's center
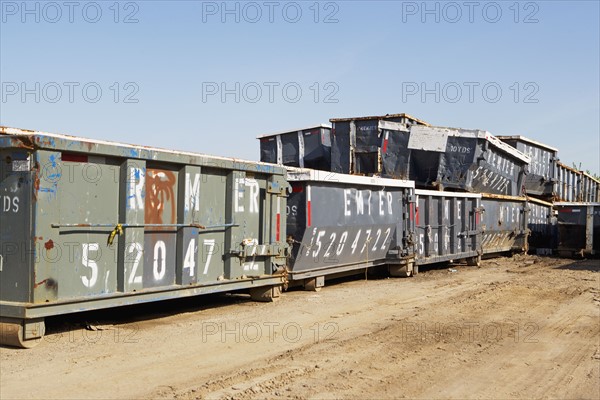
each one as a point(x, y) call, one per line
point(88, 224)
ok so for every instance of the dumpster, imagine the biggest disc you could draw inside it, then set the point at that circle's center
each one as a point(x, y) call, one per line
point(541, 179)
point(356, 143)
point(89, 224)
point(340, 223)
point(452, 159)
point(447, 227)
point(308, 147)
point(578, 228)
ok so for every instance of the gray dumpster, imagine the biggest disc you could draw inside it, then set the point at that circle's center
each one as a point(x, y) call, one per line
point(340, 223)
point(88, 224)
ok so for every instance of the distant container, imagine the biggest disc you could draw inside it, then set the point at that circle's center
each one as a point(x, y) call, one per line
point(447, 227)
point(88, 224)
point(504, 224)
point(542, 224)
point(356, 143)
point(452, 159)
point(578, 228)
point(303, 148)
point(339, 223)
point(541, 178)
point(573, 185)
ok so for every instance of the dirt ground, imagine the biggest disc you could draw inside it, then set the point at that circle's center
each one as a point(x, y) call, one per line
point(521, 327)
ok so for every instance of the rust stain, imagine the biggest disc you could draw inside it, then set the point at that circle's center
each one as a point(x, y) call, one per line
point(49, 244)
point(50, 284)
point(36, 180)
point(160, 193)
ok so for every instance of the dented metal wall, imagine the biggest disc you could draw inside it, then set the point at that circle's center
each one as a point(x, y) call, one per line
point(578, 228)
point(356, 143)
point(455, 159)
point(304, 148)
point(447, 227)
point(542, 224)
point(88, 224)
point(504, 224)
point(340, 223)
point(541, 178)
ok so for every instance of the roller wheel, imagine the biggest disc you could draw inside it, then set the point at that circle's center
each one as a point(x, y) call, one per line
point(13, 334)
point(401, 271)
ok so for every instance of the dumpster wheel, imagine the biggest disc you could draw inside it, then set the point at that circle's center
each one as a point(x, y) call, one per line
point(13, 334)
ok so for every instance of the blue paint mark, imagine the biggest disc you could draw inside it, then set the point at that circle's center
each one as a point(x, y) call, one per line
point(53, 160)
point(134, 153)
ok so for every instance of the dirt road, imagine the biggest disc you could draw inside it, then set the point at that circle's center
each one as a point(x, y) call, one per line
point(525, 327)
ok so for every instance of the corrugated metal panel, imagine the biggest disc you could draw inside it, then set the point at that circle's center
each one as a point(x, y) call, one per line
point(88, 224)
point(504, 224)
point(578, 228)
point(309, 147)
point(541, 178)
point(575, 186)
point(447, 227)
point(341, 223)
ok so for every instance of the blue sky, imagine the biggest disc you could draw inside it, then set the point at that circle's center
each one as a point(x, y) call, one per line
point(211, 76)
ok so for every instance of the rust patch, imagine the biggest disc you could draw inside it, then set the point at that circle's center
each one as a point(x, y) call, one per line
point(50, 284)
point(160, 195)
point(49, 244)
point(36, 180)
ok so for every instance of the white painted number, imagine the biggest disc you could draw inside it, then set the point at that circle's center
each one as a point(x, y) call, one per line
point(87, 262)
point(331, 240)
point(135, 249)
point(190, 260)
point(159, 267)
point(209, 246)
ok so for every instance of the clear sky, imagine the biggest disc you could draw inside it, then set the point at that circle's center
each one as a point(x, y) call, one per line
point(211, 76)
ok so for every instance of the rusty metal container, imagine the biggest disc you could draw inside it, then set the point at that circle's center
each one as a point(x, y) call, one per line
point(340, 223)
point(504, 224)
point(304, 148)
point(447, 227)
point(542, 225)
point(452, 159)
point(578, 228)
point(573, 185)
point(87, 224)
point(356, 145)
point(541, 178)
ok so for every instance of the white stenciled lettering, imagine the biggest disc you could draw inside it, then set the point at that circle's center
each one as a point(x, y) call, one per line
point(347, 193)
point(10, 204)
point(135, 188)
point(240, 188)
point(192, 192)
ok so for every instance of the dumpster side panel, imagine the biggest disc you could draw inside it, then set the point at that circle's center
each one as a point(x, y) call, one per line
point(504, 224)
point(540, 180)
point(17, 247)
point(447, 226)
point(542, 224)
point(310, 148)
point(347, 225)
